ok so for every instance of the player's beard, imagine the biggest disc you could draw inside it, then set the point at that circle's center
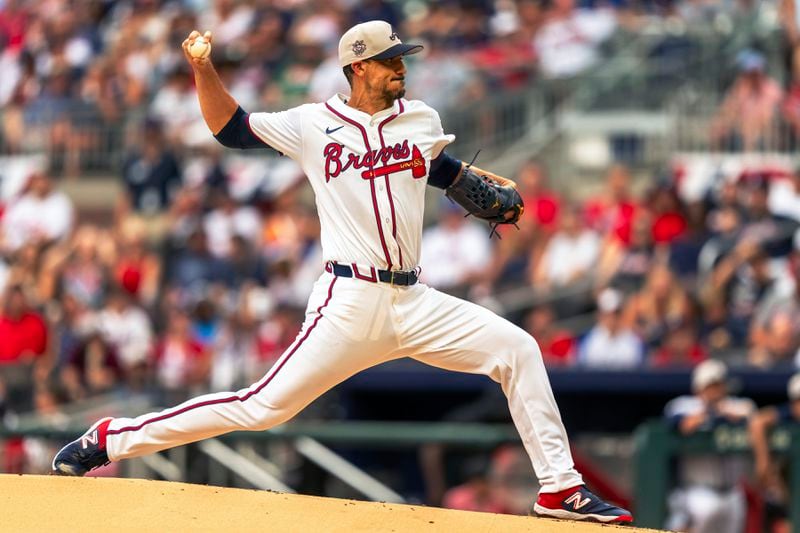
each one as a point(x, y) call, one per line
point(386, 93)
point(392, 95)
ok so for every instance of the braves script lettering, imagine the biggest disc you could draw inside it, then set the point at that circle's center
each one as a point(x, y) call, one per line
point(336, 161)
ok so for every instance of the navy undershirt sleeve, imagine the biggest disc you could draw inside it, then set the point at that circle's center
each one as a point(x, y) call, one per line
point(237, 133)
point(444, 170)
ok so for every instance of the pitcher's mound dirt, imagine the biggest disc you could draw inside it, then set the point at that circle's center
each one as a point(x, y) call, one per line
point(49, 503)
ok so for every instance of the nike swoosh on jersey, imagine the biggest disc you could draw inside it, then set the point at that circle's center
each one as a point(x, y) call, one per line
point(328, 131)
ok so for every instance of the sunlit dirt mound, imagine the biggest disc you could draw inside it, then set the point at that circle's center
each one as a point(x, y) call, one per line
point(49, 503)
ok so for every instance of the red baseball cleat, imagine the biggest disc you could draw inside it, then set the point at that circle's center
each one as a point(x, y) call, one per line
point(579, 503)
point(85, 453)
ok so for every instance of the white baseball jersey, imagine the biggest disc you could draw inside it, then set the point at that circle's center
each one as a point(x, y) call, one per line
point(368, 174)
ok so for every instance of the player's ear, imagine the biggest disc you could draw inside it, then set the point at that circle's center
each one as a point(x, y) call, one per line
point(359, 67)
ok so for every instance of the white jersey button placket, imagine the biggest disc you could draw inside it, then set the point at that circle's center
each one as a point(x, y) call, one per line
point(384, 201)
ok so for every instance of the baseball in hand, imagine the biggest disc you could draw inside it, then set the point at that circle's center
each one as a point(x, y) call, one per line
point(200, 48)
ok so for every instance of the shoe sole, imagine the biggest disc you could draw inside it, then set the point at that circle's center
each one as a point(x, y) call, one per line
point(64, 469)
point(569, 515)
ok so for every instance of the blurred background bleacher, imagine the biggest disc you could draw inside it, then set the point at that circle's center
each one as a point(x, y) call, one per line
point(654, 142)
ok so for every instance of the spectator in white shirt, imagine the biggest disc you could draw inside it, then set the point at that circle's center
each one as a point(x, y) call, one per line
point(230, 19)
point(568, 41)
point(41, 215)
point(570, 256)
point(784, 196)
point(174, 105)
point(227, 221)
point(327, 80)
point(454, 251)
point(126, 327)
point(609, 345)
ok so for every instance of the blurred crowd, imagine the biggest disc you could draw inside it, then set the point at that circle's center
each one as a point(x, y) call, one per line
point(202, 294)
point(190, 289)
point(624, 279)
point(200, 280)
point(76, 73)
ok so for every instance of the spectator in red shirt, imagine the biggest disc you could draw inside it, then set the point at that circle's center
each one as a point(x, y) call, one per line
point(509, 58)
point(540, 202)
point(669, 220)
point(23, 332)
point(181, 360)
point(14, 19)
point(518, 251)
point(680, 347)
point(611, 212)
point(557, 345)
point(137, 271)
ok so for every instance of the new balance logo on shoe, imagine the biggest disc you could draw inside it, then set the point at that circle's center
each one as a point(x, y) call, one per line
point(85, 453)
point(580, 504)
point(88, 439)
point(577, 502)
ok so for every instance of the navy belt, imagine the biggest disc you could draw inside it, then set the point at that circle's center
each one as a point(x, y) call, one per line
point(394, 277)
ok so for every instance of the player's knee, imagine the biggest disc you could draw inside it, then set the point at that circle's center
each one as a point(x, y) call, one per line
point(526, 355)
point(525, 347)
point(519, 351)
point(271, 418)
point(272, 413)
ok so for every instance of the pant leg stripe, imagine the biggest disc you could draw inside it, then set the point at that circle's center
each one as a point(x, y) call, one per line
point(235, 398)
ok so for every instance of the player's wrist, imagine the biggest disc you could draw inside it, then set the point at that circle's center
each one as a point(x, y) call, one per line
point(202, 66)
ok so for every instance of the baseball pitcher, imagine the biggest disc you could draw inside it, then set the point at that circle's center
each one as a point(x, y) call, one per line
point(369, 158)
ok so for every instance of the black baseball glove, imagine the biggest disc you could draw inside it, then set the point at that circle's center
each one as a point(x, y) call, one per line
point(486, 199)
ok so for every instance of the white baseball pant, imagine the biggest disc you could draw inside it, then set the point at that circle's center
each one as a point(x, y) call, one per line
point(351, 325)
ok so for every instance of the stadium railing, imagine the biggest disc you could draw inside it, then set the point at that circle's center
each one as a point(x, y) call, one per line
point(72, 135)
point(496, 121)
point(693, 114)
point(640, 70)
point(77, 138)
point(624, 109)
